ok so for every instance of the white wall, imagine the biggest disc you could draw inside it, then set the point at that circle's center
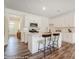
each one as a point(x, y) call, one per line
point(64, 20)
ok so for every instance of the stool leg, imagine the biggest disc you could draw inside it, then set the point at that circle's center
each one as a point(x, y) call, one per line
point(54, 41)
point(50, 46)
point(44, 47)
point(38, 47)
point(57, 41)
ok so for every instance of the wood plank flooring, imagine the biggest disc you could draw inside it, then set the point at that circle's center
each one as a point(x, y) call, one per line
point(19, 50)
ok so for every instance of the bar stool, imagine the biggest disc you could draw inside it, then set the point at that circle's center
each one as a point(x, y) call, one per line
point(45, 36)
point(55, 40)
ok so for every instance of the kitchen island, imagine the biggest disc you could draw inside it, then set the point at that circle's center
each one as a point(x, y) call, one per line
point(33, 39)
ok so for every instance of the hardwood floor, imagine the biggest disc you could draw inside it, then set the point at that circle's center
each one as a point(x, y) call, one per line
point(19, 50)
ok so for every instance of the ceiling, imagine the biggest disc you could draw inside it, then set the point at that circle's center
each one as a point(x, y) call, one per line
point(47, 8)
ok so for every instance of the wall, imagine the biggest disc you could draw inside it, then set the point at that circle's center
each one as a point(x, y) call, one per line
point(64, 20)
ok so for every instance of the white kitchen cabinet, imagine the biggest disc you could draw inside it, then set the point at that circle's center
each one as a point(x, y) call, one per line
point(68, 37)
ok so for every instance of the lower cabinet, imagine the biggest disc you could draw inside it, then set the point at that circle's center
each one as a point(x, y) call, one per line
point(68, 37)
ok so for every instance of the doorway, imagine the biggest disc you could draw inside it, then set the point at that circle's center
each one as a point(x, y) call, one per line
point(13, 23)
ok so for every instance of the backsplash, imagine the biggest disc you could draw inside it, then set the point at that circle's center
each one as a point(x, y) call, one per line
point(63, 29)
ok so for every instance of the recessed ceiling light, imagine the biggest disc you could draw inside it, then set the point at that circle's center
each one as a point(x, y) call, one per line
point(44, 8)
